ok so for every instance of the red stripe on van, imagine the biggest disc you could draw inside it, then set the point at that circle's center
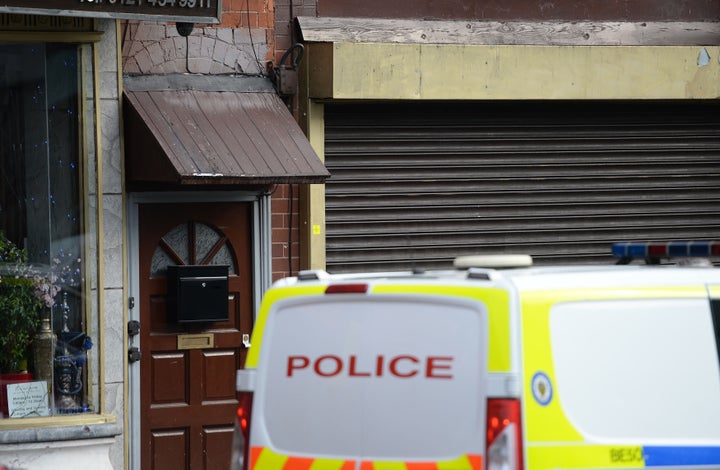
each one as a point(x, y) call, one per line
point(475, 461)
point(298, 463)
point(255, 455)
point(304, 463)
point(421, 465)
point(365, 465)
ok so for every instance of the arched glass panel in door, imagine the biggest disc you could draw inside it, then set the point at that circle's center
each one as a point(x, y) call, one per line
point(192, 243)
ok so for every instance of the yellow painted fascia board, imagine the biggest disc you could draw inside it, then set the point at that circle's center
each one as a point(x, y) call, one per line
point(319, 63)
point(467, 72)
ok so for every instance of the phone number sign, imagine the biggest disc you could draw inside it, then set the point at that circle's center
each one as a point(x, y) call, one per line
point(192, 11)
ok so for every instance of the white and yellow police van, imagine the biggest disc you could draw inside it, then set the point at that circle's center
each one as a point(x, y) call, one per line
point(530, 368)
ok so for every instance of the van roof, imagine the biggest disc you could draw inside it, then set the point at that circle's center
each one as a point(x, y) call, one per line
point(532, 277)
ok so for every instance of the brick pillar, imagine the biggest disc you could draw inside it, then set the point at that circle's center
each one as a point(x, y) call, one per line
point(285, 232)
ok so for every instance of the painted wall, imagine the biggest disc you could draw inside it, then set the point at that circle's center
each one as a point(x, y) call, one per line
point(480, 72)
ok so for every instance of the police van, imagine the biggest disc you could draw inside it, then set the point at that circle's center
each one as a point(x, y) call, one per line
point(532, 368)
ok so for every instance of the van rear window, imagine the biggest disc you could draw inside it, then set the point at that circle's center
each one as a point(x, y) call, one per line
point(641, 370)
point(391, 377)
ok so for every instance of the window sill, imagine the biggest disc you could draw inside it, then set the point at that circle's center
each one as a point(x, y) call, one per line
point(64, 428)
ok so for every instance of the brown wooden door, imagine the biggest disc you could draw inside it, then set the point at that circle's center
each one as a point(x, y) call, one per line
point(187, 396)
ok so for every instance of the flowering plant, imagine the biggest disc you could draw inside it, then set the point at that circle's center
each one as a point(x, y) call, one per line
point(45, 288)
point(24, 292)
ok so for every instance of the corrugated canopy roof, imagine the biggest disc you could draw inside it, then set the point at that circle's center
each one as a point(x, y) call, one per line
point(213, 130)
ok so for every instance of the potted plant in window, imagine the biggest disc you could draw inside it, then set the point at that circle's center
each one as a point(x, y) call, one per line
point(21, 304)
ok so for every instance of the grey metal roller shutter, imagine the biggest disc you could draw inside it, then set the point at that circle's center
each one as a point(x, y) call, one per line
point(417, 184)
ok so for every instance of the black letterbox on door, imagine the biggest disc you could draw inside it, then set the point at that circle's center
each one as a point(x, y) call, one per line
point(197, 293)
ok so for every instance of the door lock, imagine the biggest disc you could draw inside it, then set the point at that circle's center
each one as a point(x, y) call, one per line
point(246, 340)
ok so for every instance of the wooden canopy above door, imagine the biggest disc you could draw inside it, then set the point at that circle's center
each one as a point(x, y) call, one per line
point(213, 130)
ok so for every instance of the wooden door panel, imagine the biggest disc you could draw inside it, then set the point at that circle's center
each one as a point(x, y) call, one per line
point(169, 449)
point(188, 399)
point(169, 376)
point(217, 440)
point(219, 375)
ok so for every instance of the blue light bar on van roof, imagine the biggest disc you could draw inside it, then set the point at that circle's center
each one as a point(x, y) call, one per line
point(665, 249)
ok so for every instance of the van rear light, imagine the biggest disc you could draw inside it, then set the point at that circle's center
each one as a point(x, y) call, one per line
point(241, 438)
point(346, 289)
point(504, 435)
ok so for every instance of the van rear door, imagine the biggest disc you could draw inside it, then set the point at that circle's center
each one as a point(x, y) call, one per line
point(364, 378)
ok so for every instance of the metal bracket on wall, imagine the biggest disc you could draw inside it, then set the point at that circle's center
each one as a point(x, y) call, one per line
point(134, 354)
point(133, 328)
point(285, 75)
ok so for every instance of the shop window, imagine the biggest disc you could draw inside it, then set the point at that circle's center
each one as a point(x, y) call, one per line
point(47, 294)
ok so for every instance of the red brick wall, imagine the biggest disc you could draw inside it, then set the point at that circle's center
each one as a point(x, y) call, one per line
point(253, 14)
point(285, 240)
point(285, 12)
